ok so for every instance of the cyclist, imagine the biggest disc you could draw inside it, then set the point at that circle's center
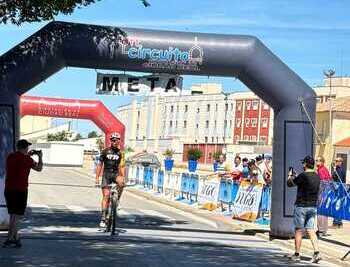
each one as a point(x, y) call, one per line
point(112, 162)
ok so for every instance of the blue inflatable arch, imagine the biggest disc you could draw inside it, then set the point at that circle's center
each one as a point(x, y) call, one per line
point(62, 44)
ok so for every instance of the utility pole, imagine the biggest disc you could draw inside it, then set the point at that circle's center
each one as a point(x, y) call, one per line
point(329, 74)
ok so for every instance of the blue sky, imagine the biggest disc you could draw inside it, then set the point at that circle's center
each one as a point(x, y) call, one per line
point(309, 36)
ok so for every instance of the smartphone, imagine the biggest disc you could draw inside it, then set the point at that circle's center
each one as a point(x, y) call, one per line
point(291, 171)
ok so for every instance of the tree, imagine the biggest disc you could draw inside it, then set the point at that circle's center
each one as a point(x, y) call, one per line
point(60, 136)
point(19, 11)
point(78, 137)
point(92, 134)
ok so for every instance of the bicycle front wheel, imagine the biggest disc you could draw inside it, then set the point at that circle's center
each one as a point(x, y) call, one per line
point(114, 208)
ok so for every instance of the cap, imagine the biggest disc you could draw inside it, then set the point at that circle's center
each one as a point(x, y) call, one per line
point(259, 158)
point(22, 143)
point(309, 160)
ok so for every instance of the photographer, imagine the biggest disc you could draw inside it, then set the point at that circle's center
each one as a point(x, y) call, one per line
point(308, 184)
point(18, 166)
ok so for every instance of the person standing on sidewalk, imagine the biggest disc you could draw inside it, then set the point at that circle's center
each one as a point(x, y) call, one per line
point(18, 166)
point(305, 210)
point(325, 176)
point(338, 176)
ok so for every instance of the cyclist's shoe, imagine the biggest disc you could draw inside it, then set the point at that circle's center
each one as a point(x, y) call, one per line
point(316, 258)
point(8, 243)
point(18, 243)
point(102, 224)
point(295, 258)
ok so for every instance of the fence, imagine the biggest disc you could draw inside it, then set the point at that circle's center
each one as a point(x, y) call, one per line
point(245, 200)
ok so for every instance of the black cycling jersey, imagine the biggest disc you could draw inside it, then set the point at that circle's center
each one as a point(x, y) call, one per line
point(112, 158)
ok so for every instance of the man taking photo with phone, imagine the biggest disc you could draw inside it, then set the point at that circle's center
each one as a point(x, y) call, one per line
point(18, 166)
point(305, 210)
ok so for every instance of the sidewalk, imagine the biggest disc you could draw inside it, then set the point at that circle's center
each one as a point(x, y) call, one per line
point(332, 247)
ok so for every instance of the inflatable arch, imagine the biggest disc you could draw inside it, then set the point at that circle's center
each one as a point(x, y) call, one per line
point(75, 109)
point(61, 44)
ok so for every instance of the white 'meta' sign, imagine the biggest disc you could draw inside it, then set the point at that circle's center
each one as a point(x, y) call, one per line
point(123, 84)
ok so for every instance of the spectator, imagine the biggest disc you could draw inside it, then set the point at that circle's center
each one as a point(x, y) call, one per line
point(223, 168)
point(255, 174)
point(245, 171)
point(237, 168)
point(266, 168)
point(325, 176)
point(18, 166)
point(308, 184)
point(338, 176)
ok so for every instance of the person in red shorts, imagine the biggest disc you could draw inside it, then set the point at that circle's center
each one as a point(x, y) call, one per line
point(18, 166)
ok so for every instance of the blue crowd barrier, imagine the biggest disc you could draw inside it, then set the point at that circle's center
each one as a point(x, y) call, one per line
point(334, 201)
point(193, 186)
point(185, 184)
point(225, 195)
point(160, 182)
point(234, 190)
point(266, 199)
point(148, 177)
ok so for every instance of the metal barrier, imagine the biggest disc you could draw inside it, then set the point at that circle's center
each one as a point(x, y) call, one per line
point(193, 186)
point(185, 185)
point(160, 181)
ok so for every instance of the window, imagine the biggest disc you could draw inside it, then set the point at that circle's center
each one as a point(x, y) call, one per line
point(206, 139)
point(318, 99)
point(255, 104)
point(248, 104)
point(238, 123)
point(175, 124)
point(225, 124)
point(247, 122)
point(237, 137)
point(246, 138)
point(217, 139)
point(226, 107)
point(171, 124)
point(231, 106)
point(137, 126)
point(254, 122)
point(138, 114)
point(197, 110)
point(177, 108)
point(253, 138)
point(216, 107)
point(263, 139)
point(239, 106)
point(197, 125)
point(207, 124)
point(264, 122)
point(212, 139)
point(172, 109)
point(230, 124)
point(144, 137)
point(208, 107)
point(214, 124)
point(266, 106)
point(185, 124)
point(186, 108)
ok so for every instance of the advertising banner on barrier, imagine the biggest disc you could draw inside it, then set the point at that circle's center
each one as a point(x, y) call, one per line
point(208, 193)
point(334, 201)
point(247, 201)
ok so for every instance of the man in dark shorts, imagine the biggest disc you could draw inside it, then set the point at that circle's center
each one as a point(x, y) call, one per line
point(305, 210)
point(112, 162)
point(18, 166)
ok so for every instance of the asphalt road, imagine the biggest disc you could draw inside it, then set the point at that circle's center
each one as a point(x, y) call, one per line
point(61, 229)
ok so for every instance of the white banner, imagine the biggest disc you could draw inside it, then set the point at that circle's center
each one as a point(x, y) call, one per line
point(247, 201)
point(123, 84)
point(208, 191)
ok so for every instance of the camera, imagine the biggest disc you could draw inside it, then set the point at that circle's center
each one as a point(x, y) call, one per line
point(35, 152)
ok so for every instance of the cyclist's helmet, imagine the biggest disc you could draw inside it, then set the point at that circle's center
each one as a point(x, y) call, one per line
point(114, 135)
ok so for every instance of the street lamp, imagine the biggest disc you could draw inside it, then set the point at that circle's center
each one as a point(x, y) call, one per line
point(329, 74)
point(224, 150)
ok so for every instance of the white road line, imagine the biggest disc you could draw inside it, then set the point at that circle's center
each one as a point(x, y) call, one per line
point(156, 214)
point(40, 206)
point(76, 209)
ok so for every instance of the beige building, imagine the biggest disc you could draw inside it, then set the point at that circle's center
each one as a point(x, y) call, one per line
point(31, 124)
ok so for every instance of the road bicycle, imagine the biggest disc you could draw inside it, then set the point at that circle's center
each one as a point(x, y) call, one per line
point(113, 203)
